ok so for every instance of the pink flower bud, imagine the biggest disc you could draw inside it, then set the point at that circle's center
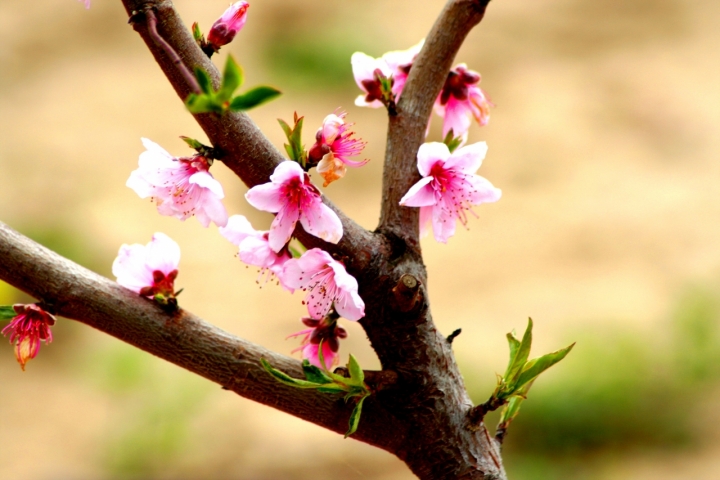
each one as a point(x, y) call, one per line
point(228, 25)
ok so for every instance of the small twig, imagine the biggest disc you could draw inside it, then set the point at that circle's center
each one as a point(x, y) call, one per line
point(453, 335)
point(406, 293)
point(500, 435)
point(152, 29)
point(477, 413)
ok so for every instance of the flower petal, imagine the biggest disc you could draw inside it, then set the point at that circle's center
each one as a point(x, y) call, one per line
point(420, 195)
point(429, 154)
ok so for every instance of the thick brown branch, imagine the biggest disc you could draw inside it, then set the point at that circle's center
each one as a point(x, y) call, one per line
point(406, 130)
point(181, 338)
point(247, 152)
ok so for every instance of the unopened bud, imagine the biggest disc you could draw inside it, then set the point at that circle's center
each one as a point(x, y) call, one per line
point(228, 25)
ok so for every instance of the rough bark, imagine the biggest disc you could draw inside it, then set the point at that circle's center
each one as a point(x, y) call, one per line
point(422, 417)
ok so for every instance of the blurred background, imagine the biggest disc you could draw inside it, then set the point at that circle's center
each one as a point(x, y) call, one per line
point(604, 141)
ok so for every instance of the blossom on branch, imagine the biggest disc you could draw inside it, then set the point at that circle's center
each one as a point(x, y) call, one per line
point(370, 72)
point(333, 147)
point(449, 187)
point(30, 326)
point(326, 332)
point(460, 100)
point(228, 25)
point(294, 198)
point(328, 285)
point(254, 247)
point(151, 269)
point(182, 187)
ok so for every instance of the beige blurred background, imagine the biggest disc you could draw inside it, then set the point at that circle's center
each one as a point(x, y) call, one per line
point(604, 141)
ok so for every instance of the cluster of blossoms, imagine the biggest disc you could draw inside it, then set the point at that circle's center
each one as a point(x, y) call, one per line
point(449, 187)
point(183, 187)
point(460, 99)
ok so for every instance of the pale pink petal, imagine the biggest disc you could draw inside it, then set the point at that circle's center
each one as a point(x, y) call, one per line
point(139, 184)
point(238, 228)
point(266, 197)
point(467, 159)
point(283, 226)
point(420, 195)
point(331, 127)
point(287, 171)
point(457, 117)
point(425, 220)
point(319, 220)
point(484, 192)
point(257, 252)
point(129, 268)
point(210, 208)
point(429, 154)
point(443, 225)
point(206, 181)
point(162, 254)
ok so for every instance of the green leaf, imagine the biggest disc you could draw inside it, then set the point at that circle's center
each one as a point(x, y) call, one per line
point(203, 80)
point(510, 411)
point(203, 104)
point(357, 376)
point(536, 366)
point(232, 79)
point(7, 312)
point(331, 388)
point(253, 98)
point(314, 374)
point(451, 141)
point(192, 143)
point(286, 128)
point(355, 417)
point(285, 378)
point(514, 345)
point(197, 34)
point(521, 356)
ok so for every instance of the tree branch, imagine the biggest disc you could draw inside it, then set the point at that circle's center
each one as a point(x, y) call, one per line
point(247, 152)
point(406, 130)
point(181, 338)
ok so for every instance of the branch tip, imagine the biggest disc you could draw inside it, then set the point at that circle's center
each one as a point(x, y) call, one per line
point(406, 293)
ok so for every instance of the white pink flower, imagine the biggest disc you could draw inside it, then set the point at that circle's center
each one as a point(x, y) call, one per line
point(462, 99)
point(328, 285)
point(228, 25)
point(333, 147)
point(369, 71)
point(294, 198)
point(151, 269)
point(182, 187)
point(254, 247)
point(30, 326)
point(449, 187)
point(326, 332)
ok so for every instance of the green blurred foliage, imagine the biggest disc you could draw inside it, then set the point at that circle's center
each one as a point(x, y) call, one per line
point(615, 395)
point(159, 402)
point(310, 58)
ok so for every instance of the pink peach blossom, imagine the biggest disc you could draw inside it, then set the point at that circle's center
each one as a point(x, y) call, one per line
point(30, 326)
point(460, 100)
point(149, 269)
point(368, 71)
point(449, 187)
point(294, 198)
point(182, 187)
point(333, 147)
point(328, 285)
point(254, 247)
